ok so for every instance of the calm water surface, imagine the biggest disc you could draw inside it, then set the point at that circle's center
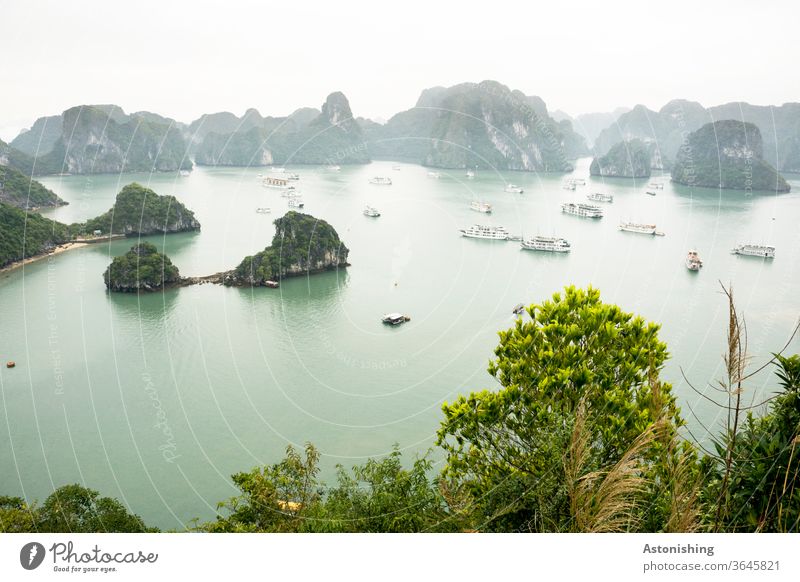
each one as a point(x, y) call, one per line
point(157, 399)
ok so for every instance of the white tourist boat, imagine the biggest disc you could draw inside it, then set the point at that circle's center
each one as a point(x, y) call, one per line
point(276, 183)
point(263, 210)
point(295, 202)
point(579, 181)
point(487, 232)
point(753, 250)
point(656, 185)
point(600, 197)
point(333, 168)
point(549, 244)
point(582, 210)
point(395, 318)
point(484, 207)
point(693, 261)
point(514, 189)
point(278, 170)
point(568, 185)
point(371, 211)
point(292, 176)
point(638, 227)
point(434, 175)
point(381, 180)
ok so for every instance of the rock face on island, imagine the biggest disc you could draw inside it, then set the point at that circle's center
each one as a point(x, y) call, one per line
point(627, 159)
point(142, 268)
point(26, 234)
point(308, 136)
point(484, 125)
point(94, 139)
point(727, 154)
point(302, 245)
point(140, 211)
point(21, 191)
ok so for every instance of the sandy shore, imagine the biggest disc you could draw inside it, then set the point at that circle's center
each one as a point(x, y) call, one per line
point(57, 251)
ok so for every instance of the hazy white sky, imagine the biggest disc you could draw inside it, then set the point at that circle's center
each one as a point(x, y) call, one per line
point(182, 59)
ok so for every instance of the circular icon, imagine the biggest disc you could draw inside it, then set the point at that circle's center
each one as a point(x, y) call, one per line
point(31, 555)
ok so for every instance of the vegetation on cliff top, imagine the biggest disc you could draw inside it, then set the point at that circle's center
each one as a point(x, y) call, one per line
point(27, 234)
point(140, 211)
point(142, 268)
point(727, 154)
point(627, 159)
point(22, 191)
point(302, 244)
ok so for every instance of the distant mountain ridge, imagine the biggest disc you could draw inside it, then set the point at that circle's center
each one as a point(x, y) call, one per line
point(669, 127)
point(484, 125)
point(329, 135)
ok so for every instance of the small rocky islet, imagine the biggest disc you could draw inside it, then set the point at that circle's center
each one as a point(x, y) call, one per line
point(302, 245)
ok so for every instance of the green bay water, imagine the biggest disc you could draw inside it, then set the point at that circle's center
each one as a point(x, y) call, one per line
point(157, 399)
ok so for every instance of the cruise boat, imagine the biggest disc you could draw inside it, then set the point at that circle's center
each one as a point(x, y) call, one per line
point(600, 197)
point(638, 227)
point(381, 180)
point(514, 189)
point(751, 250)
point(693, 261)
point(484, 207)
point(371, 211)
point(333, 168)
point(277, 183)
point(582, 210)
point(546, 243)
point(434, 175)
point(295, 202)
point(470, 174)
point(263, 210)
point(395, 318)
point(487, 232)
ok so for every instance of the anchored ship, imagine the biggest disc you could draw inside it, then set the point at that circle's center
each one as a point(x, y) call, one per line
point(514, 189)
point(371, 211)
point(582, 210)
point(381, 181)
point(277, 183)
point(487, 232)
point(546, 243)
point(599, 197)
point(751, 250)
point(693, 261)
point(484, 207)
point(296, 202)
point(638, 227)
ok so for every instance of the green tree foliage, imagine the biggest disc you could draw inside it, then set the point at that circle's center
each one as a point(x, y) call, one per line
point(139, 210)
point(379, 496)
point(302, 244)
point(509, 444)
point(71, 508)
point(21, 191)
point(141, 268)
point(763, 489)
point(26, 234)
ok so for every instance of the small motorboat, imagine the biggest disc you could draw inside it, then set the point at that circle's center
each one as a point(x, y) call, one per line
point(395, 318)
point(11, 364)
